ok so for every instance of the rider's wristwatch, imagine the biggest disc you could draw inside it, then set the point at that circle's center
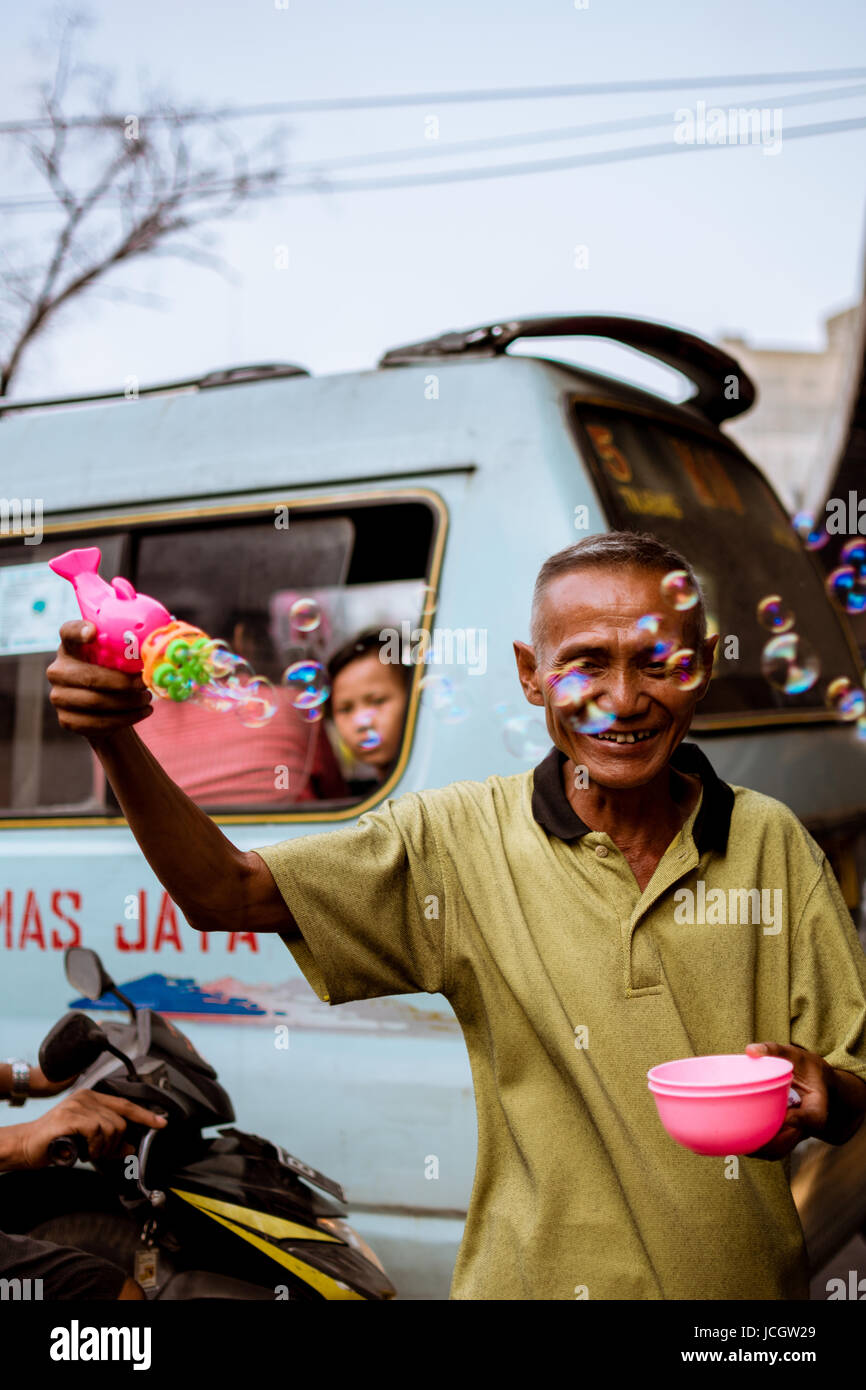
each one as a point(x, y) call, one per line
point(20, 1081)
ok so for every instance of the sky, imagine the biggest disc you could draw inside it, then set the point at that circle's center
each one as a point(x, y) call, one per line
point(718, 239)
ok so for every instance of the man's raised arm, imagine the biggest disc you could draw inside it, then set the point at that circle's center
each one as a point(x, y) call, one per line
point(217, 886)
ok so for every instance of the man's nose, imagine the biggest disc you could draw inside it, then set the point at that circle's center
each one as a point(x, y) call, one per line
point(622, 693)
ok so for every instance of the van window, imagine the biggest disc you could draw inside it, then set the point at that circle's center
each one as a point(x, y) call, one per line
point(714, 507)
point(362, 565)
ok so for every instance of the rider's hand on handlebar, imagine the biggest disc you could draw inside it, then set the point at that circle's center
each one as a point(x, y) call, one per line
point(93, 700)
point(100, 1120)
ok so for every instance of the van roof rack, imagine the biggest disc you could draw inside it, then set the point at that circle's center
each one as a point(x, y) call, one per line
point(708, 367)
point(223, 376)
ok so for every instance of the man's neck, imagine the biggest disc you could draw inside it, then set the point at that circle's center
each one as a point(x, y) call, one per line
point(646, 815)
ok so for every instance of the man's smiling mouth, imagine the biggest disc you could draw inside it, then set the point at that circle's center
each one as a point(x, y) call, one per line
point(639, 736)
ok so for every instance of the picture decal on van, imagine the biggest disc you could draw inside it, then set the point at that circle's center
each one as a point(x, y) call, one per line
point(289, 1002)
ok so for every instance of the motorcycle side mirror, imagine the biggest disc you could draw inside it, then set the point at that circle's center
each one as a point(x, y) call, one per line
point(72, 1046)
point(86, 973)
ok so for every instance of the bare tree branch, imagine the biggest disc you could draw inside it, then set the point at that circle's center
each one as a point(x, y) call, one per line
point(149, 182)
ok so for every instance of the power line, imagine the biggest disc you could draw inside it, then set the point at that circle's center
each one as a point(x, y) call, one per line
point(434, 150)
point(541, 166)
point(318, 167)
point(547, 166)
point(386, 102)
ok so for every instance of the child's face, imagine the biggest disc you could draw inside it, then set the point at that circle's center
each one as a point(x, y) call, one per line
point(368, 701)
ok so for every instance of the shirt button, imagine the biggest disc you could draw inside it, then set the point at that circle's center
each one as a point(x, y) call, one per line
point(601, 851)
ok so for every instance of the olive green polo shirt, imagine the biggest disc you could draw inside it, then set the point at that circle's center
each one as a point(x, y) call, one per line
point(569, 983)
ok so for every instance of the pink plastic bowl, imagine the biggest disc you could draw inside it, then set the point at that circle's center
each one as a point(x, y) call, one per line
point(725, 1104)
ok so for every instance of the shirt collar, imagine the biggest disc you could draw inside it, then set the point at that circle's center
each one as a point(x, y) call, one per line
point(552, 810)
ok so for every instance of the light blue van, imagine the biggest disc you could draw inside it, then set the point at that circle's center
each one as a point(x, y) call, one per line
point(422, 494)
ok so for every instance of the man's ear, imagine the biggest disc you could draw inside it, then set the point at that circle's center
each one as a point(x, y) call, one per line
point(708, 653)
point(527, 670)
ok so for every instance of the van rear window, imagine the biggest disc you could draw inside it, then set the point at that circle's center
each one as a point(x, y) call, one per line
point(709, 503)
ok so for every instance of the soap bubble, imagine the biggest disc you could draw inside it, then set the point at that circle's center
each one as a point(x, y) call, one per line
point(685, 668)
point(305, 615)
point(440, 691)
point(369, 740)
point(848, 588)
point(259, 704)
point(458, 711)
point(568, 687)
point(569, 690)
point(678, 591)
point(449, 703)
point(220, 657)
point(592, 719)
point(774, 615)
point(847, 699)
point(241, 671)
point(307, 683)
point(813, 536)
point(660, 651)
point(860, 729)
point(216, 697)
point(790, 664)
point(649, 622)
point(854, 554)
point(526, 737)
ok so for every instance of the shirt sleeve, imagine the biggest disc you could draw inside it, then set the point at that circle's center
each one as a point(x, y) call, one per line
point(369, 903)
point(828, 979)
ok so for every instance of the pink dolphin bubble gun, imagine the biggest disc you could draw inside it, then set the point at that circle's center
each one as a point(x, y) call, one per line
point(123, 618)
point(177, 661)
point(135, 632)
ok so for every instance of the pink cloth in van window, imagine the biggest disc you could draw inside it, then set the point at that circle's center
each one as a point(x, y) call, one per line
point(217, 761)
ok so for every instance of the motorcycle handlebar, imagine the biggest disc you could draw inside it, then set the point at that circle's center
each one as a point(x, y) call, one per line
point(67, 1149)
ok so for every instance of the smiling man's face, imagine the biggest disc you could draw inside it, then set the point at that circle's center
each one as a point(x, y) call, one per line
point(588, 630)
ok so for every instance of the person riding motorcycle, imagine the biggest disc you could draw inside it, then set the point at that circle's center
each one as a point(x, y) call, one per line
point(101, 1120)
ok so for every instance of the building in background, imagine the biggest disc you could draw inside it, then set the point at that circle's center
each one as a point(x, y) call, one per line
point(787, 431)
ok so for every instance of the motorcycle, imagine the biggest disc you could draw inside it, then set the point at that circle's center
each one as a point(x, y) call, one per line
point(187, 1216)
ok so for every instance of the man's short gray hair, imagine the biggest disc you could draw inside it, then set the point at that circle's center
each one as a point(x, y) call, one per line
point(619, 550)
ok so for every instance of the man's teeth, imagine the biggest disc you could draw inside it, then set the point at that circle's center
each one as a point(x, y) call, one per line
point(627, 738)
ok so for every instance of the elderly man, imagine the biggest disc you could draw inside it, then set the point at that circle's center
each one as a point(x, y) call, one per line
point(544, 906)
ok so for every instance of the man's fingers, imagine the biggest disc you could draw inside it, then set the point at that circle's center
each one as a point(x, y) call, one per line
point(91, 700)
point(67, 669)
point(98, 1136)
point(111, 700)
point(773, 1049)
point(137, 1113)
point(76, 632)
